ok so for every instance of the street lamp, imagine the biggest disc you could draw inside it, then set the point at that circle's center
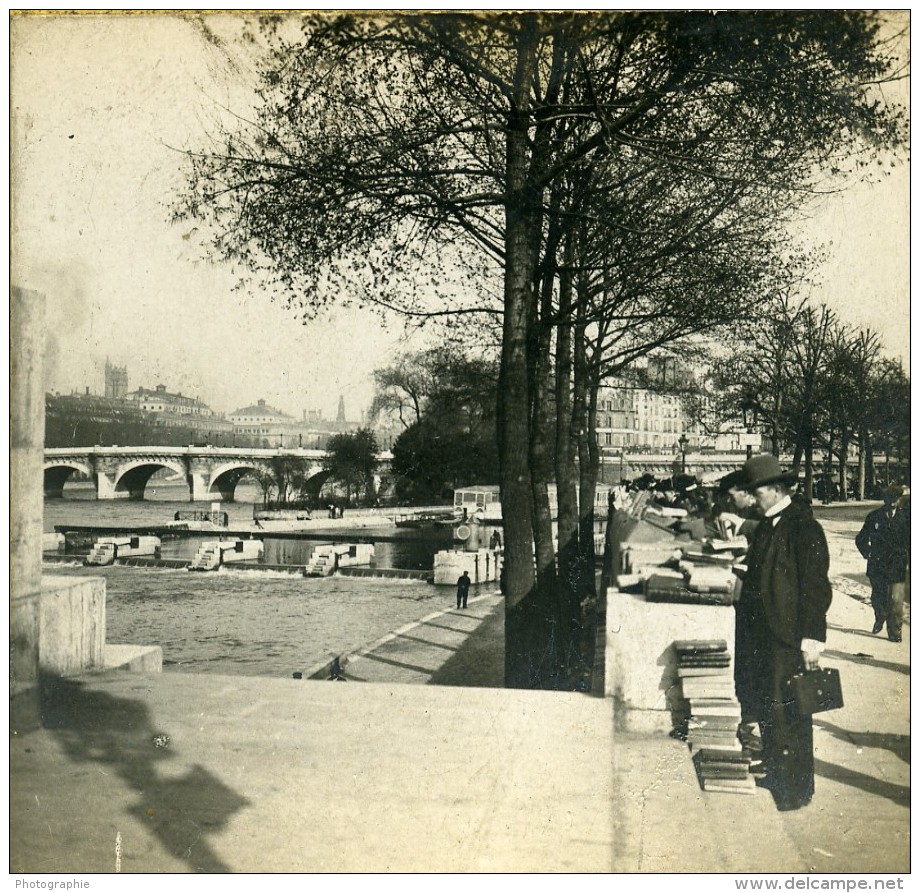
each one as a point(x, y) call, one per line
point(828, 468)
point(682, 442)
point(749, 416)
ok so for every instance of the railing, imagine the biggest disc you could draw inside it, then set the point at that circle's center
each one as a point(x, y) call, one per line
point(280, 505)
point(220, 519)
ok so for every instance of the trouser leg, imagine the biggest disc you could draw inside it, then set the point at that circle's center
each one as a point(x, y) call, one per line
point(880, 598)
point(788, 747)
point(788, 737)
point(896, 609)
point(748, 732)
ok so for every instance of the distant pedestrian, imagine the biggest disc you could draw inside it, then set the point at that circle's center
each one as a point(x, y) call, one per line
point(884, 542)
point(495, 543)
point(463, 589)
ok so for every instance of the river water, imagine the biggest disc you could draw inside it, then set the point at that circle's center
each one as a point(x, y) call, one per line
point(242, 622)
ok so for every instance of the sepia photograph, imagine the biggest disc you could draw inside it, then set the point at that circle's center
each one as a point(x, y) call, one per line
point(544, 375)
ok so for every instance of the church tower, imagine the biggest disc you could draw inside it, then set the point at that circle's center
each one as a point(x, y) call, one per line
point(116, 381)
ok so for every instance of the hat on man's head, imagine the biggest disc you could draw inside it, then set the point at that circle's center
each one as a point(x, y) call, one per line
point(765, 469)
point(893, 492)
point(732, 480)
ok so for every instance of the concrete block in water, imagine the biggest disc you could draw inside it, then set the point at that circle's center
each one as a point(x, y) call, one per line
point(52, 541)
point(134, 658)
point(483, 566)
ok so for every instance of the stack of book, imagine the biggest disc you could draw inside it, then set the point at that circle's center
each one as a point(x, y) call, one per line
point(664, 586)
point(704, 671)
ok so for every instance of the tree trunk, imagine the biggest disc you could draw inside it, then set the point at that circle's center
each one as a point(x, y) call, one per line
point(523, 651)
point(569, 567)
point(861, 469)
point(809, 469)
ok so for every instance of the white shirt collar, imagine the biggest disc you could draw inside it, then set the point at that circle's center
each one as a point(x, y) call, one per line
point(774, 510)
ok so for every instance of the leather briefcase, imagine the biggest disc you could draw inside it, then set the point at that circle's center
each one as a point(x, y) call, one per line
point(815, 691)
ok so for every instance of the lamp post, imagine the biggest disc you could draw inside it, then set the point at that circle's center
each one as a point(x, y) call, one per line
point(749, 415)
point(682, 442)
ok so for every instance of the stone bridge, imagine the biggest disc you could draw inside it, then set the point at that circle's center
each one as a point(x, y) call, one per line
point(210, 472)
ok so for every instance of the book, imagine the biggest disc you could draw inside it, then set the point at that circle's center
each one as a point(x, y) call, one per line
point(725, 786)
point(714, 659)
point(702, 672)
point(705, 687)
point(714, 692)
point(739, 759)
point(702, 741)
point(717, 708)
point(686, 597)
point(720, 724)
point(700, 646)
point(711, 770)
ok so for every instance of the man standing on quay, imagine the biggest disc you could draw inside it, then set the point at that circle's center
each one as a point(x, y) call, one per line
point(884, 542)
point(463, 589)
point(783, 610)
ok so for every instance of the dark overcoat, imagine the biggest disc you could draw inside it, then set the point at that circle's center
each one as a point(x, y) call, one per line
point(788, 570)
point(885, 544)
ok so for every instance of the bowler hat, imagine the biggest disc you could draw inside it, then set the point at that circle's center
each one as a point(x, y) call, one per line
point(732, 480)
point(893, 492)
point(761, 470)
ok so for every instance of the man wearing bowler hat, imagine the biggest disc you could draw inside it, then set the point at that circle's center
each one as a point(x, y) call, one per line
point(782, 610)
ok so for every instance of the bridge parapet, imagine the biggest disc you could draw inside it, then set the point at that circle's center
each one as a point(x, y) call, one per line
point(123, 472)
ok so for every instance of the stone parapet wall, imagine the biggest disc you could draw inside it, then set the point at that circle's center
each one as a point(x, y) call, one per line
point(640, 662)
point(72, 625)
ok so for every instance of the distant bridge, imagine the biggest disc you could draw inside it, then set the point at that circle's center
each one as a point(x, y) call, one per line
point(210, 472)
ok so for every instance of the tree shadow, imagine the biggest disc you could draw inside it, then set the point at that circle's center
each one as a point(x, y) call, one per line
point(868, 660)
point(897, 793)
point(899, 745)
point(96, 727)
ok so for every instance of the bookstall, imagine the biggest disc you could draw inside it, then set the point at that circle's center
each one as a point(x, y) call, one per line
point(674, 581)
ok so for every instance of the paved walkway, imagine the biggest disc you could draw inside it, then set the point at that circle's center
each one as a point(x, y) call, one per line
point(183, 773)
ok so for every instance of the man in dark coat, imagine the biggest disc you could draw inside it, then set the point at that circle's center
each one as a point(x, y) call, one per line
point(463, 589)
point(783, 609)
point(884, 542)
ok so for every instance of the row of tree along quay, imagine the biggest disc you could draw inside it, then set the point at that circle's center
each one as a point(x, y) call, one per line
point(572, 191)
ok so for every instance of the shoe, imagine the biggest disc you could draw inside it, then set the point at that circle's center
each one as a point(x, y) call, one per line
point(789, 805)
point(894, 638)
point(757, 768)
point(878, 626)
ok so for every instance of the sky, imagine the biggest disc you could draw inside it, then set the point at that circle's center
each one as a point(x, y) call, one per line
point(100, 106)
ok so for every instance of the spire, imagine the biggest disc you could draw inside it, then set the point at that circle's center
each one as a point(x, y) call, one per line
point(341, 416)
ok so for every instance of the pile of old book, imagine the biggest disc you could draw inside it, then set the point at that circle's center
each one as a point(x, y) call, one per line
point(704, 671)
point(692, 584)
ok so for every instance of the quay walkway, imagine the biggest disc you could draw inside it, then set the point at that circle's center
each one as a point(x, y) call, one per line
point(427, 767)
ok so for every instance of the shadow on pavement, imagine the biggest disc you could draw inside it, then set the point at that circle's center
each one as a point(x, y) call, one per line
point(899, 745)
point(868, 660)
point(95, 727)
point(480, 662)
point(897, 793)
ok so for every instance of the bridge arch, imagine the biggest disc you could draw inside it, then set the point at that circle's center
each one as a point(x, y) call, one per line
point(132, 478)
point(225, 477)
point(58, 473)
